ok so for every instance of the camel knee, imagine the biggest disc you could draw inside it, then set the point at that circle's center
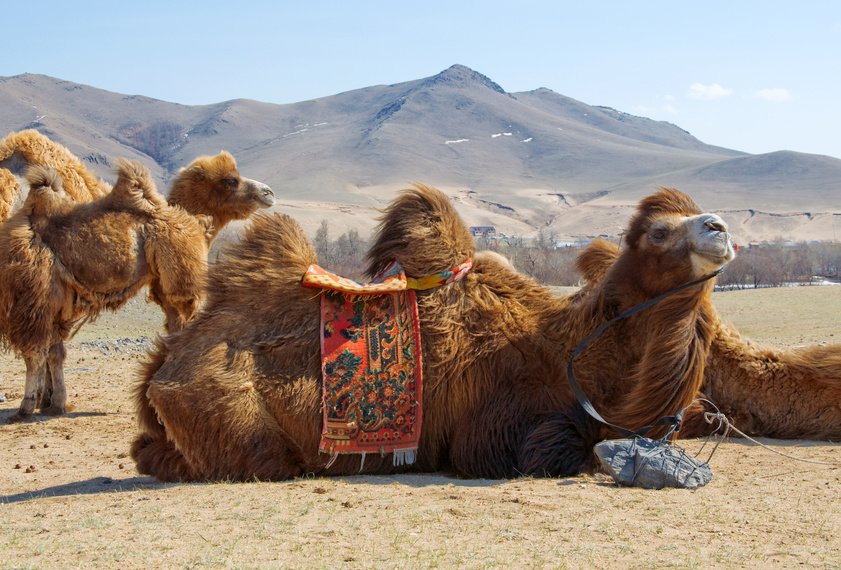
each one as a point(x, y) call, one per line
point(178, 310)
point(559, 446)
point(158, 458)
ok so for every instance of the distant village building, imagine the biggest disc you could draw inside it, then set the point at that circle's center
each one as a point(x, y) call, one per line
point(483, 231)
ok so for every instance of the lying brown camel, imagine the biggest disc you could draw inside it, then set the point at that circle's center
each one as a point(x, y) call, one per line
point(61, 261)
point(237, 393)
point(764, 391)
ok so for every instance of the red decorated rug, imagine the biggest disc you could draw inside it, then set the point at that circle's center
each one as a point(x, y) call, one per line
point(371, 361)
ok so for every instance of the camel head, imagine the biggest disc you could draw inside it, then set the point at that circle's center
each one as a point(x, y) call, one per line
point(670, 241)
point(212, 185)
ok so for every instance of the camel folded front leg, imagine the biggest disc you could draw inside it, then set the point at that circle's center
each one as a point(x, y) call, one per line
point(36, 369)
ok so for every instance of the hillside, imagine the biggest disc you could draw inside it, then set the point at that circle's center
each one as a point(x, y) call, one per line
point(517, 161)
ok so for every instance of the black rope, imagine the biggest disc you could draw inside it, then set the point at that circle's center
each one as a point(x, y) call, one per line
point(673, 421)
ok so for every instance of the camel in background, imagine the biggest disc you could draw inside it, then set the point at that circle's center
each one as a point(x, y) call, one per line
point(237, 393)
point(63, 261)
point(209, 186)
point(22, 149)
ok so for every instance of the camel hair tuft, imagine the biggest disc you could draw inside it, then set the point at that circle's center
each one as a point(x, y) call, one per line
point(236, 395)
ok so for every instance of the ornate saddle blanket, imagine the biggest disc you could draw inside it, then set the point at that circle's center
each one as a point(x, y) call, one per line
point(371, 361)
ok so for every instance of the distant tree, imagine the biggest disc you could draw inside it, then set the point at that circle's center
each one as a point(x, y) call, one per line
point(322, 245)
point(345, 255)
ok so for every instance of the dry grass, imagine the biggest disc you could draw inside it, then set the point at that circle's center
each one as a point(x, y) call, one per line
point(82, 504)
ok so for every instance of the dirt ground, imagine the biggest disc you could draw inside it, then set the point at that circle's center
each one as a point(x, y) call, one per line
point(69, 494)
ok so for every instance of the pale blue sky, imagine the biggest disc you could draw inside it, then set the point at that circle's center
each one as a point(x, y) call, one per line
point(756, 76)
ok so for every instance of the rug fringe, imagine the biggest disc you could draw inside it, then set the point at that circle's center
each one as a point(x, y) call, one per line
point(404, 457)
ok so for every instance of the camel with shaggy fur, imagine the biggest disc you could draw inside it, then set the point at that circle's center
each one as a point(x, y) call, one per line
point(22, 149)
point(765, 391)
point(237, 394)
point(210, 185)
point(61, 261)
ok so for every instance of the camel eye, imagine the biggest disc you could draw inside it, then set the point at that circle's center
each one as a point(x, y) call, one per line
point(659, 234)
point(230, 182)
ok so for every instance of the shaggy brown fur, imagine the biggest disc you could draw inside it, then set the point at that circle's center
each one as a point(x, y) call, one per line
point(61, 261)
point(237, 393)
point(764, 391)
point(18, 150)
point(9, 192)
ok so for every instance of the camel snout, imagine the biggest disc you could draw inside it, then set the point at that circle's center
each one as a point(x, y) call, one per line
point(712, 241)
point(264, 192)
point(715, 223)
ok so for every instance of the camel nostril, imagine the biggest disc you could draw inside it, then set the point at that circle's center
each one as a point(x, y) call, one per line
point(716, 225)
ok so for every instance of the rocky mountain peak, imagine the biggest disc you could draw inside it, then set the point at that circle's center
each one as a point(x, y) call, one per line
point(461, 75)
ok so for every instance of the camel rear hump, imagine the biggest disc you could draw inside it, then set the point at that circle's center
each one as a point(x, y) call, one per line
point(273, 253)
point(29, 147)
point(46, 193)
point(422, 230)
point(135, 188)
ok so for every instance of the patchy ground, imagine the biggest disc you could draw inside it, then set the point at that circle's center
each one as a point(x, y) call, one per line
point(69, 494)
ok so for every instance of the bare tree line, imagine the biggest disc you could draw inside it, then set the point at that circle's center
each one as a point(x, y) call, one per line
point(778, 263)
point(770, 265)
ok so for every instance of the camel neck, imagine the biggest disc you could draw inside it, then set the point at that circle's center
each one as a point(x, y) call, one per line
point(579, 392)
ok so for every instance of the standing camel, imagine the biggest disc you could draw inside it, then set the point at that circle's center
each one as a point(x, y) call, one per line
point(237, 394)
point(62, 261)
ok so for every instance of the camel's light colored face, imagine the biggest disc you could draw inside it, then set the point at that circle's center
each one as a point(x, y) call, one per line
point(704, 237)
point(261, 192)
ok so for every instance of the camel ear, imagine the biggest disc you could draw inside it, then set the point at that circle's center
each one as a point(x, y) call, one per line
point(195, 171)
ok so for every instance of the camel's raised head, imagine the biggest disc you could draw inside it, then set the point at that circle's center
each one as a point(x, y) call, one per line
point(671, 241)
point(213, 186)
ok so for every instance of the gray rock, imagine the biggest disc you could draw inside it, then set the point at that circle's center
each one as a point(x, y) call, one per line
point(642, 462)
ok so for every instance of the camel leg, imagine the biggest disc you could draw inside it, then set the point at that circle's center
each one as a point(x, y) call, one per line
point(560, 445)
point(158, 457)
point(177, 314)
point(36, 367)
point(54, 385)
point(214, 428)
point(45, 392)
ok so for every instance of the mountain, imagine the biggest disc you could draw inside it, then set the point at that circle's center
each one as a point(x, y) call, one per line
point(516, 161)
